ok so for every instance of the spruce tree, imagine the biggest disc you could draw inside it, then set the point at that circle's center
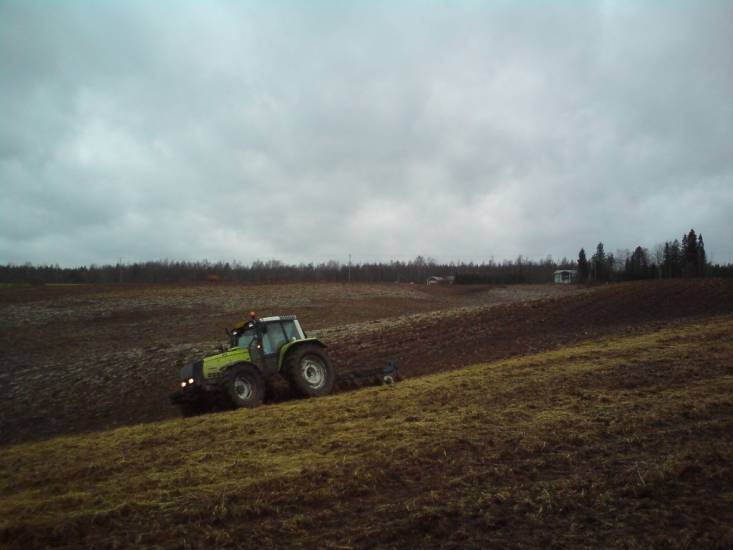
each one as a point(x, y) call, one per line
point(689, 254)
point(702, 260)
point(582, 266)
point(598, 264)
point(675, 255)
point(610, 267)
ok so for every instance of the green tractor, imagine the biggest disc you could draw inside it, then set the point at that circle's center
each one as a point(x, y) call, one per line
point(258, 350)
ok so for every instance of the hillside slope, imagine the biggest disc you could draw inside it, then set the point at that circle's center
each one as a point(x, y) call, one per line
point(92, 375)
point(624, 442)
point(449, 340)
point(91, 357)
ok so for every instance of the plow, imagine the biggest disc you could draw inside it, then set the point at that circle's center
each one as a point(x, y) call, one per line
point(366, 376)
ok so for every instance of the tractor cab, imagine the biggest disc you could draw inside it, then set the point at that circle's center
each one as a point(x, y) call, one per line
point(272, 332)
point(265, 337)
point(277, 331)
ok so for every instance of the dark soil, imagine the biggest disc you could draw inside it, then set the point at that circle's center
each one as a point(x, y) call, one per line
point(444, 342)
point(87, 358)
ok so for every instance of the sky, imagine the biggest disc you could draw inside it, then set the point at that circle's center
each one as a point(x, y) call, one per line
point(308, 131)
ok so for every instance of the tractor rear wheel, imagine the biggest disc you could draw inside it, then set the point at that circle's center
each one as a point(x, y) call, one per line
point(245, 386)
point(309, 371)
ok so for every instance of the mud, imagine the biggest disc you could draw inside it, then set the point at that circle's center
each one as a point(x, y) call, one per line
point(87, 358)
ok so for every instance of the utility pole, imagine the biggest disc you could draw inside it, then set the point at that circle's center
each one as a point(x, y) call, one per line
point(119, 269)
point(349, 266)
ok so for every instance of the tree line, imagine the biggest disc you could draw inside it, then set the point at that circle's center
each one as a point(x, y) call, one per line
point(520, 270)
point(686, 258)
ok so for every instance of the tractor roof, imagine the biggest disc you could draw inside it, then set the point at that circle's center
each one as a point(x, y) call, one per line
point(245, 324)
point(278, 318)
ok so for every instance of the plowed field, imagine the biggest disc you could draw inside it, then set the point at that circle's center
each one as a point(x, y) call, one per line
point(426, 344)
point(86, 358)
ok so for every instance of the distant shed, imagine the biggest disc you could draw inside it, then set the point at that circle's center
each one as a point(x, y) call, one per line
point(435, 280)
point(566, 276)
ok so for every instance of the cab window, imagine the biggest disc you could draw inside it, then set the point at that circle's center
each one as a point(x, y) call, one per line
point(245, 339)
point(273, 338)
point(291, 331)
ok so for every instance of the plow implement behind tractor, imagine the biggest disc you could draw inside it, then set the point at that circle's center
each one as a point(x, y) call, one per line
point(370, 377)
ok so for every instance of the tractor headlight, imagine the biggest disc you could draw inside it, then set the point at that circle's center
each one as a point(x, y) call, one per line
point(190, 380)
point(183, 384)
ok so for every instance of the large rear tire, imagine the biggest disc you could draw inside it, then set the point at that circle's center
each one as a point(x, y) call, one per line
point(245, 387)
point(309, 371)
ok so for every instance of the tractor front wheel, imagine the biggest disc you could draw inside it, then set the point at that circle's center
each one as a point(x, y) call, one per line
point(245, 387)
point(309, 371)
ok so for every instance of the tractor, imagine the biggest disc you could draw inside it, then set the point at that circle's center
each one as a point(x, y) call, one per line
point(258, 350)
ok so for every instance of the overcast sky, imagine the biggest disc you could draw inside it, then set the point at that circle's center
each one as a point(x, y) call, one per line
point(306, 131)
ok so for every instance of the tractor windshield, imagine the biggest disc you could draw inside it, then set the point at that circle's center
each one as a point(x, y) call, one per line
point(245, 339)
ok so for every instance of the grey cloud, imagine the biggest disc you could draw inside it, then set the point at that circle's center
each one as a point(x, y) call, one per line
point(229, 130)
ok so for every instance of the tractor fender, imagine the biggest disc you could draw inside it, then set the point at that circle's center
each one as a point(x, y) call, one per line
point(295, 344)
point(215, 365)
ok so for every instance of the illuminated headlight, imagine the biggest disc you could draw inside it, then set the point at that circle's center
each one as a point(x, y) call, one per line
point(183, 384)
point(190, 380)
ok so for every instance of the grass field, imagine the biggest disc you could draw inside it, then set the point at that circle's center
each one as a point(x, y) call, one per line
point(618, 442)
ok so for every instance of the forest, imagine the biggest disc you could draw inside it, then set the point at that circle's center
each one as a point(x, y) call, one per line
point(676, 258)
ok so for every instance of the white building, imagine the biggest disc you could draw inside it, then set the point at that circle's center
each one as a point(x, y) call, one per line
point(565, 276)
point(435, 280)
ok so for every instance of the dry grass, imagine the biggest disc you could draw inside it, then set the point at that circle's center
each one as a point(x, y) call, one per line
point(624, 442)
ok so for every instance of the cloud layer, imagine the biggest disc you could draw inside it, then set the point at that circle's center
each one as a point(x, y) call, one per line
point(308, 131)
